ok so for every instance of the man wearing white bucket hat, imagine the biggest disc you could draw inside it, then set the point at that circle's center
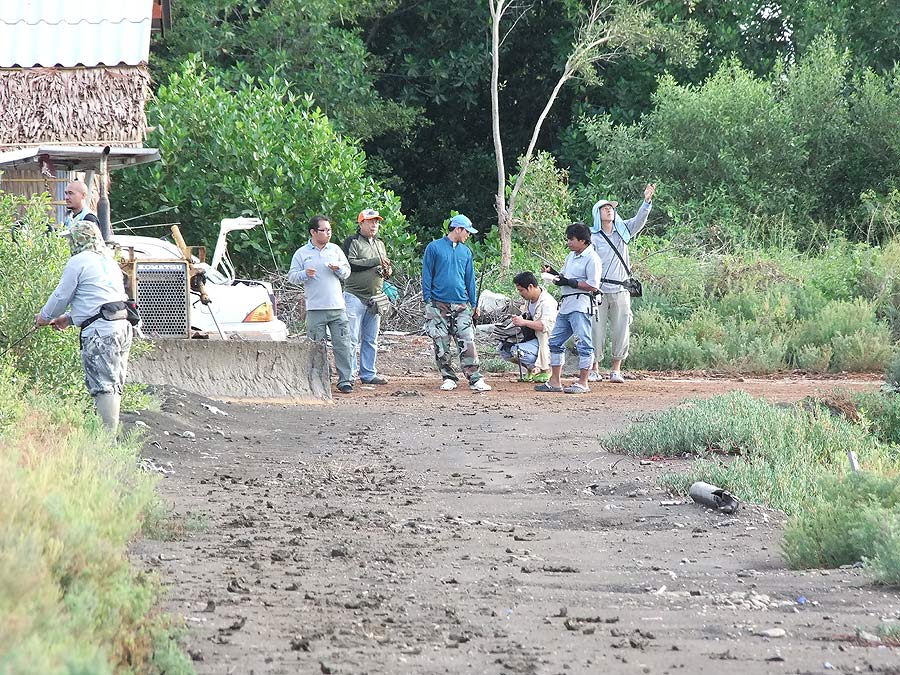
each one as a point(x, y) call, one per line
point(610, 237)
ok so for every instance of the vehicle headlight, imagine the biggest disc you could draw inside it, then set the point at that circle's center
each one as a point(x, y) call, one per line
point(262, 313)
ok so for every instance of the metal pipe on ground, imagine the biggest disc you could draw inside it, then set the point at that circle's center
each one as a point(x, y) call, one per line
point(713, 496)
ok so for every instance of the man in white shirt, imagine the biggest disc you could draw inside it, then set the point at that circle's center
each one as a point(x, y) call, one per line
point(579, 280)
point(540, 317)
point(319, 267)
point(93, 290)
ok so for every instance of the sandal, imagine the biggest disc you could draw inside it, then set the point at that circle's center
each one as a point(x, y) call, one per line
point(576, 388)
point(546, 387)
point(537, 377)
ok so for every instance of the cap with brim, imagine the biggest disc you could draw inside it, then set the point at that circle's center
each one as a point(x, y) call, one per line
point(462, 221)
point(368, 214)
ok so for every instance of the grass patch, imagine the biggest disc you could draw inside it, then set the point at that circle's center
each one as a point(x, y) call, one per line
point(498, 365)
point(69, 600)
point(794, 458)
point(854, 518)
point(161, 524)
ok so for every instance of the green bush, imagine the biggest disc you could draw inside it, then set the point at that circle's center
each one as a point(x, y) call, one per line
point(32, 265)
point(881, 412)
point(743, 160)
point(866, 350)
point(892, 376)
point(261, 150)
point(854, 518)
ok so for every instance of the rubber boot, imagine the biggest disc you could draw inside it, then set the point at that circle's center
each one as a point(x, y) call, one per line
point(108, 409)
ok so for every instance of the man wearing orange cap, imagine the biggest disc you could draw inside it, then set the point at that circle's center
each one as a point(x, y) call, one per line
point(369, 267)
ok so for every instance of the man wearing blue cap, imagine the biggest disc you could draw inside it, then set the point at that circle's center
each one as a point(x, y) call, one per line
point(451, 303)
point(610, 237)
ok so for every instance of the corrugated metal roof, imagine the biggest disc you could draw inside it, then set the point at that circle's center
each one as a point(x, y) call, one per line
point(70, 33)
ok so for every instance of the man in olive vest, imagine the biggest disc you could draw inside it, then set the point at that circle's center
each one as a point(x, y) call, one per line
point(369, 267)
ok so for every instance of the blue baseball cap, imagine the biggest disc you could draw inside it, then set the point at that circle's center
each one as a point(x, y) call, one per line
point(462, 221)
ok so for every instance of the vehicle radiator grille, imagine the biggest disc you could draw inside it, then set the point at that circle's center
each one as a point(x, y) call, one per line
point(163, 298)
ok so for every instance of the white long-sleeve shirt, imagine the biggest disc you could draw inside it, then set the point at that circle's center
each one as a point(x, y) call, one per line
point(89, 280)
point(323, 291)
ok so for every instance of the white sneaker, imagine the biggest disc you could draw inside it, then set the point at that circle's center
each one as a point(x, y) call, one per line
point(480, 385)
point(448, 385)
point(594, 376)
point(616, 376)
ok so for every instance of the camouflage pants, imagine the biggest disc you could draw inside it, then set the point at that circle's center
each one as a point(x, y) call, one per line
point(443, 322)
point(105, 359)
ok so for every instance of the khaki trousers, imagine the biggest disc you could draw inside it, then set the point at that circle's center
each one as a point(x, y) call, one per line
point(615, 309)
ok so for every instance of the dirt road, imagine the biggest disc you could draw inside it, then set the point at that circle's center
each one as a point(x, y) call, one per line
point(406, 530)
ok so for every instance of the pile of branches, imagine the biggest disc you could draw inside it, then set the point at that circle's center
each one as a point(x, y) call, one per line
point(290, 299)
point(407, 311)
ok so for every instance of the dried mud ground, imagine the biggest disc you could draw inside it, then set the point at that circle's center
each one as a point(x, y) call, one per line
point(402, 529)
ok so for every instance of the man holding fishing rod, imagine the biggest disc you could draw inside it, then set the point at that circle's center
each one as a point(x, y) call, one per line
point(91, 295)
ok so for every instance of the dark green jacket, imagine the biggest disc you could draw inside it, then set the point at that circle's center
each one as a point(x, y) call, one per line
point(365, 267)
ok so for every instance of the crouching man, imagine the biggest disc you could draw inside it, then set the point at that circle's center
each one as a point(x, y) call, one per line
point(579, 281)
point(540, 317)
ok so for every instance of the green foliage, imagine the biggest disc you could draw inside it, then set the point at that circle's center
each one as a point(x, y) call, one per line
point(854, 518)
point(252, 38)
point(542, 205)
point(765, 311)
point(892, 376)
point(858, 23)
point(33, 261)
point(260, 150)
point(794, 459)
point(880, 411)
point(777, 456)
point(72, 502)
point(497, 365)
point(744, 159)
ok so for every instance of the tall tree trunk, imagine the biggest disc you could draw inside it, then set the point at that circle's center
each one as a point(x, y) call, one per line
point(505, 225)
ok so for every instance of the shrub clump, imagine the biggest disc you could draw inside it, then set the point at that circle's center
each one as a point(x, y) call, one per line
point(854, 518)
point(763, 453)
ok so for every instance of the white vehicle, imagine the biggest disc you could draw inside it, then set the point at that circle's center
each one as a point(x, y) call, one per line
point(241, 308)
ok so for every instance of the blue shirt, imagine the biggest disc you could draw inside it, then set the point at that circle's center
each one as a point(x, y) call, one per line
point(323, 291)
point(448, 273)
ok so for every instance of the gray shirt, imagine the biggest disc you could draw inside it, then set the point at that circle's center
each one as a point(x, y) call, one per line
point(585, 266)
point(612, 266)
point(89, 280)
point(323, 291)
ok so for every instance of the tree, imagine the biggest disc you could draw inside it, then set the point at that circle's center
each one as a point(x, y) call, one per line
point(261, 150)
point(606, 30)
point(316, 45)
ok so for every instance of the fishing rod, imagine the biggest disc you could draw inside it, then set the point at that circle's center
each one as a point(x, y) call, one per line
point(478, 288)
point(10, 347)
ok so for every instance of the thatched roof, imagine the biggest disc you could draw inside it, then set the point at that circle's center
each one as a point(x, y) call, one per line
point(72, 106)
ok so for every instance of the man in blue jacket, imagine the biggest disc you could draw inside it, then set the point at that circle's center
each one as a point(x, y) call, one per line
point(451, 303)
